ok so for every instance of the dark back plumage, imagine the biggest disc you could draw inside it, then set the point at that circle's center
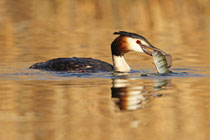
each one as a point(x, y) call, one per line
point(74, 64)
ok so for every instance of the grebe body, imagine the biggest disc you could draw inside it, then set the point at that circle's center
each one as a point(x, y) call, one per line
point(124, 43)
point(74, 64)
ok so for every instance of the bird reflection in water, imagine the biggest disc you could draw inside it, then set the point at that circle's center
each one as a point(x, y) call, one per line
point(131, 96)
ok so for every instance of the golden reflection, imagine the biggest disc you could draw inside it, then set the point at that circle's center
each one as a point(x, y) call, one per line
point(131, 96)
point(65, 109)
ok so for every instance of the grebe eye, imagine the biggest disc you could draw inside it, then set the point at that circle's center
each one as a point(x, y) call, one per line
point(138, 41)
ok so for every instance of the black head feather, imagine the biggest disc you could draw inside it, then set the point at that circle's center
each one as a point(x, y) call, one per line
point(133, 35)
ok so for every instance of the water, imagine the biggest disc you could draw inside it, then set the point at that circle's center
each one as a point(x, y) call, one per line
point(140, 105)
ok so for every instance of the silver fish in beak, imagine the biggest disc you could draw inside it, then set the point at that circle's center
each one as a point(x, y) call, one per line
point(162, 61)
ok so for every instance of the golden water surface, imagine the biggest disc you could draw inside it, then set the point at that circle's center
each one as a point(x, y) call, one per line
point(39, 105)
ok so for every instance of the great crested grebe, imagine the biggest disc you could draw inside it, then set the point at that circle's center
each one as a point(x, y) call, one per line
point(124, 43)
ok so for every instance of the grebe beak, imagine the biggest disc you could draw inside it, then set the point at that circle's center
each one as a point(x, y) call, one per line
point(147, 48)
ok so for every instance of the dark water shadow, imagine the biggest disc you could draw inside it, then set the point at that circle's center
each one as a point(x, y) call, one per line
point(29, 74)
point(133, 74)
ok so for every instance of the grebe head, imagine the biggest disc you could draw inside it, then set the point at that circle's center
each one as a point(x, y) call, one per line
point(124, 43)
point(130, 42)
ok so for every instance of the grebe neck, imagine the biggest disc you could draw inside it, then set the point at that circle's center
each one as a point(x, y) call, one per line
point(120, 64)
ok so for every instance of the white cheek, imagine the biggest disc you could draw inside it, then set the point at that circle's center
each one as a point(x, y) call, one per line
point(133, 46)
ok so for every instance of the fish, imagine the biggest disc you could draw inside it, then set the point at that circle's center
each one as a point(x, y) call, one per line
point(162, 61)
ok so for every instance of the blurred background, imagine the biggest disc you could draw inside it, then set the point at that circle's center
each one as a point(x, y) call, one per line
point(37, 30)
point(43, 105)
